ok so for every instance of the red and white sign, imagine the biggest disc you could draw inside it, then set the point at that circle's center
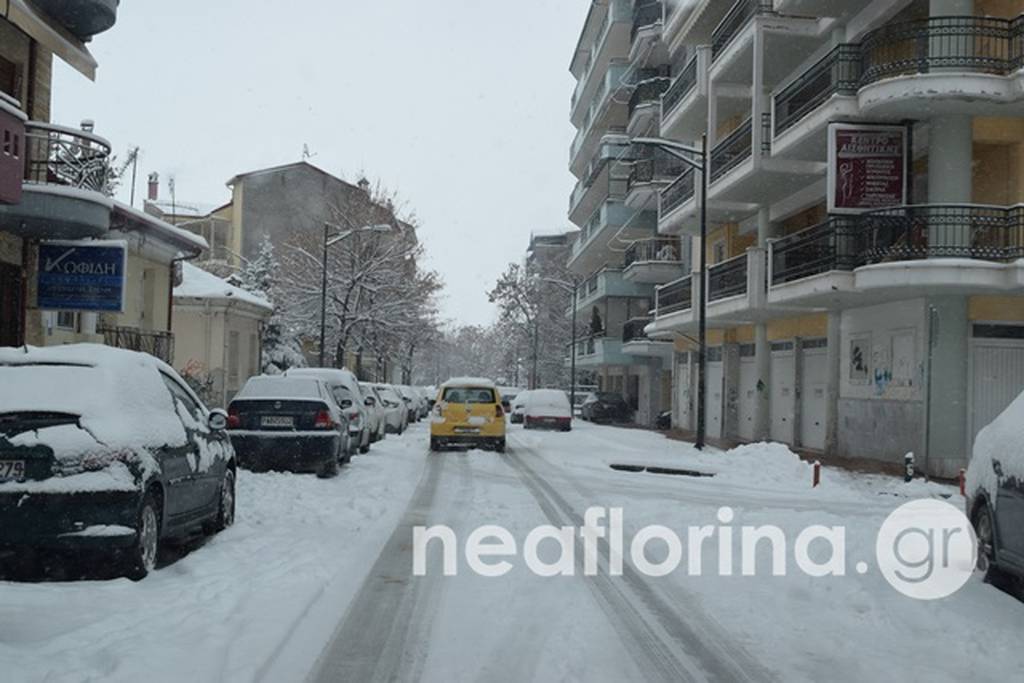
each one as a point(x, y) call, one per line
point(867, 167)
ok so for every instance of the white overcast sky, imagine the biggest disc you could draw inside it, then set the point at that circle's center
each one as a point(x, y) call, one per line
point(459, 105)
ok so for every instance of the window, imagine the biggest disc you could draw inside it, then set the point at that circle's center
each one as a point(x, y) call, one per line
point(183, 397)
point(468, 395)
point(67, 320)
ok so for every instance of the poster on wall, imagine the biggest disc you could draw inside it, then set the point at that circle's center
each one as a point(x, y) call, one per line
point(866, 167)
point(86, 275)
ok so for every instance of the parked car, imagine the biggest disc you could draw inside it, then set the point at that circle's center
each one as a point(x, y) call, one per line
point(606, 406)
point(508, 396)
point(547, 409)
point(468, 412)
point(396, 416)
point(375, 412)
point(349, 396)
point(518, 406)
point(289, 423)
point(995, 494)
point(409, 399)
point(107, 450)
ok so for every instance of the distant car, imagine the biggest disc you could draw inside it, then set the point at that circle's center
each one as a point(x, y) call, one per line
point(396, 416)
point(547, 409)
point(289, 423)
point(606, 406)
point(349, 396)
point(107, 450)
point(468, 412)
point(375, 412)
point(995, 494)
point(518, 405)
point(410, 400)
point(423, 402)
point(508, 397)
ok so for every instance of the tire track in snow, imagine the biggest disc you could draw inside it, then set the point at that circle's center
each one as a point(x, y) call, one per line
point(670, 646)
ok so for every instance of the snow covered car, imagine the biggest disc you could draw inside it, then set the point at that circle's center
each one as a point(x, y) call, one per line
point(508, 396)
point(409, 399)
point(468, 412)
point(289, 423)
point(396, 417)
point(108, 450)
point(375, 412)
point(606, 406)
point(347, 394)
point(518, 405)
point(547, 409)
point(995, 493)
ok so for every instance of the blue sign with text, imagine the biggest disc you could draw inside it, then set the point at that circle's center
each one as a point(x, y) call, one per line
point(82, 276)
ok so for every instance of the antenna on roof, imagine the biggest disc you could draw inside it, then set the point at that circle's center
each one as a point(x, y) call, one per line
point(306, 154)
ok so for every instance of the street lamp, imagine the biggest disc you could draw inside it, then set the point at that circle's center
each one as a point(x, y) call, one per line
point(330, 240)
point(572, 287)
point(697, 159)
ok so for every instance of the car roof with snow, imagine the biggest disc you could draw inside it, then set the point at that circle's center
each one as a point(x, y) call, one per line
point(475, 382)
point(553, 397)
point(342, 376)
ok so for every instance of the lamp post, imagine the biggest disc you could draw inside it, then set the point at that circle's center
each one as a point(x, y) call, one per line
point(573, 288)
point(698, 159)
point(330, 240)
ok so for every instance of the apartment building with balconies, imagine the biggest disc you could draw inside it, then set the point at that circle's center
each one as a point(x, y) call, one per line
point(865, 291)
point(56, 202)
point(622, 69)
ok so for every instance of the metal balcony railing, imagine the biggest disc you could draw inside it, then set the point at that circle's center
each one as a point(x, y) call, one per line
point(971, 231)
point(673, 297)
point(158, 344)
point(646, 14)
point(648, 91)
point(680, 88)
point(739, 15)
point(732, 150)
point(679, 192)
point(654, 249)
point(825, 247)
point(728, 278)
point(837, 73)
point(633, 330)
point(659, 166)
point(56, 155)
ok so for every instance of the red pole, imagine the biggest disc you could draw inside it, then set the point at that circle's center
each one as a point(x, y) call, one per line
point(817, 474)
point(963, 483)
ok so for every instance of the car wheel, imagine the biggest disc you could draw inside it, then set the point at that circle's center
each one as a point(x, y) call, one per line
point(330, 468)
point(142, 556)
point(985, 531)
point(226, 508)
point(435, 445)
point(500, 446)
point(365, 448)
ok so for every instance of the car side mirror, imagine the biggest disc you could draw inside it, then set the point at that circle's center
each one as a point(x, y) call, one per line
point(217, 420)
point(370, 401)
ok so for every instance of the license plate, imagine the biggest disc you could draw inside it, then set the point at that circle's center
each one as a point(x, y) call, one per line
point(12, 470)
point(467, 430)
point(277, 421)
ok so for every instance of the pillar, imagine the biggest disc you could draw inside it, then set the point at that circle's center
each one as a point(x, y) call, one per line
point(763, 360)
point(946, 386)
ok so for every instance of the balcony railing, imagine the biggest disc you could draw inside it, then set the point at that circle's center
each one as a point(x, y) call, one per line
point(828, 246)
point(739, 15)
point(65, 156)
point(646, 15)
point(673, 297)
point(633, 330)
point(728, 278)
point(837, 73)
point(681, 87)
point(654, 249)
point(158, 344)
point(732, 150)
point(648, 90)
point(679, 192)
point(660, 166)
point(977, 44)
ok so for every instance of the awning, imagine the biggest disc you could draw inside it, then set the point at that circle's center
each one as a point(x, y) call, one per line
point(46, 33)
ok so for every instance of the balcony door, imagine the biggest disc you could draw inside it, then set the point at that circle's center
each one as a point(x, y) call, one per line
point(11, 333)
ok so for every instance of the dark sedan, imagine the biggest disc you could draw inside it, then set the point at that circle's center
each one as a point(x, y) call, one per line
point(107, 451)
point(604, 406)
point(290, 424)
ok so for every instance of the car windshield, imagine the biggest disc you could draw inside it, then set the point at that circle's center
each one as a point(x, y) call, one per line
point(468, 395)
point(280, 387)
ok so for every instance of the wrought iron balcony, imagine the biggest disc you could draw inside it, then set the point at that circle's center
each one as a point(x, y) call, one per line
point(158, 344)
point(683, 84)
point(646, 14)
point(650, 86)
point(633, 330)
point(673, 297)
point(66, 156)
point(732, 150)
point(837, 73)
point(654, 249)
point(825, 247)
point(728, 278)
point(653, 166)
point(739, 16)
point(679, 192)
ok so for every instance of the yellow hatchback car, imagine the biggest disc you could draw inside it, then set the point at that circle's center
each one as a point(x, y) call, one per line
point(468, 412)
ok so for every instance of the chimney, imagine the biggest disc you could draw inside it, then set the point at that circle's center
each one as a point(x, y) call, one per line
point(154, 186)
point(364, 185)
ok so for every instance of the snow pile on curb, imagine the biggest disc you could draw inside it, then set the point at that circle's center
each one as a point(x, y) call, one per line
point(771, 465)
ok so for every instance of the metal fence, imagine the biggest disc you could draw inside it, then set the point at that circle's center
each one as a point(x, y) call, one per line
point(728, 278)
point(64, 156)
point(673, 297)
point(158, 344)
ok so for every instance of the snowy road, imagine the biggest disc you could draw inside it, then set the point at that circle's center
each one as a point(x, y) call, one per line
point(315, 582)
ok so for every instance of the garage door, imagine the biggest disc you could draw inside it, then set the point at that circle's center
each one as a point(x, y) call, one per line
point(813, 394)
point(684, 378)
point(783, 393)
point(997, 372)
point(713, 391)
point(748, 392)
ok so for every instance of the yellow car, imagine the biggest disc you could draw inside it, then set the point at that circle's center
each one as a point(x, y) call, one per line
point(468, 412)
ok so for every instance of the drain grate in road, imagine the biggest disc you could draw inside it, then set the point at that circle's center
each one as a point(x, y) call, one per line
point(652, 469)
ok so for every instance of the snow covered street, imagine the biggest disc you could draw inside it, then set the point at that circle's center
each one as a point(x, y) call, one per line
point(315, 581)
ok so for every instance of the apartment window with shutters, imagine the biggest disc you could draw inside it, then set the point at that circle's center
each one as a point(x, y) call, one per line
point(233, 353)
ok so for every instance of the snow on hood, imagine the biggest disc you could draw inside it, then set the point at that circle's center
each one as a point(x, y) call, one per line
point(119, 396)
point(196, 283)
point(999, 442)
